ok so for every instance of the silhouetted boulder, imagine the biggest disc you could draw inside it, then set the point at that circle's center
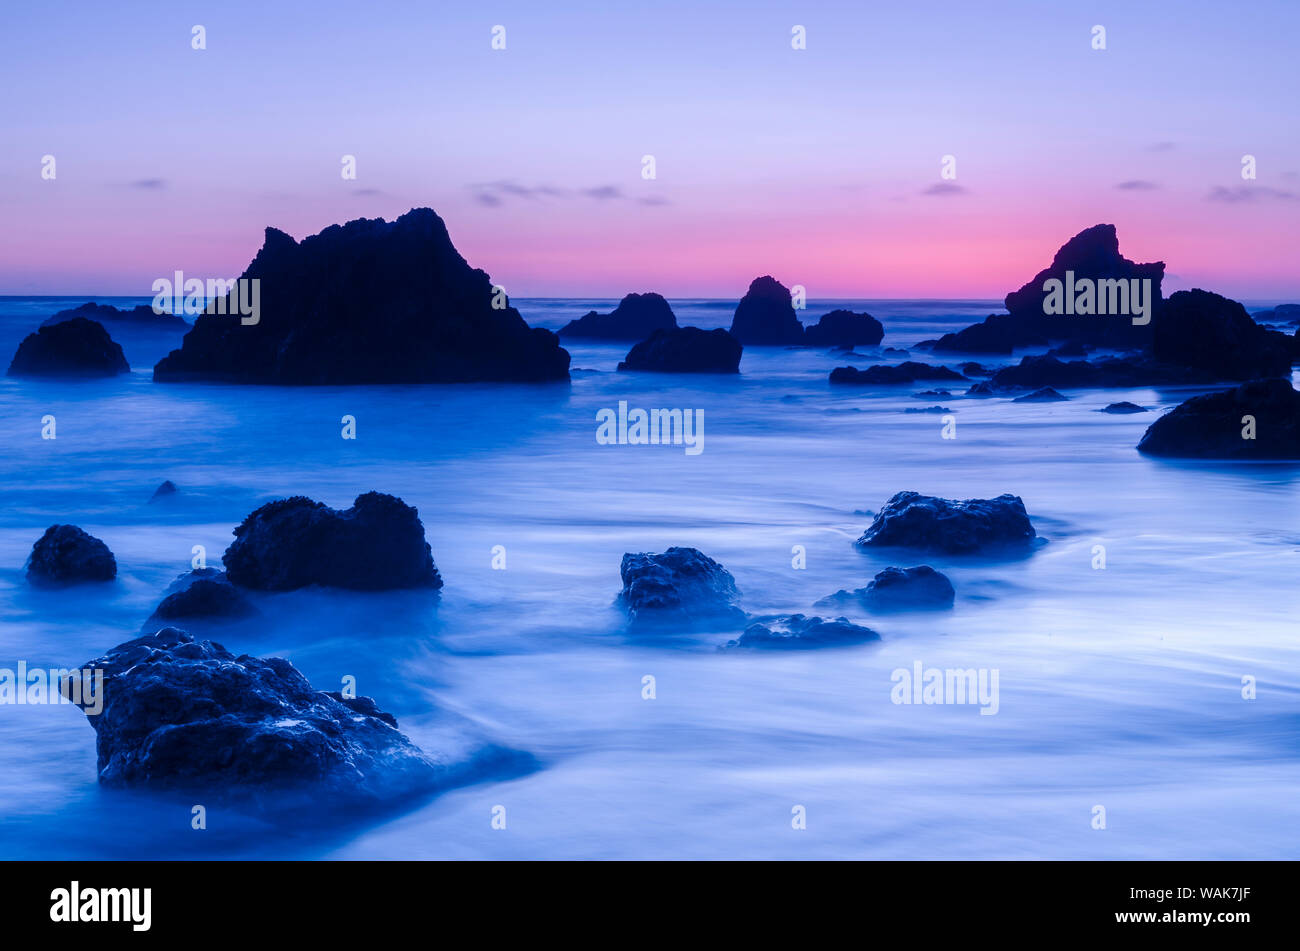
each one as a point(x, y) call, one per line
point(1208, 332)
point(1119, 372)
point(166, 490)
point(1214, 426)
point(201, 593)
point(72, 348)
point(370, 301)
point(843, 328)
point(899, 589)
point(680, 586)
point(1121, 408)
point(927, 409)
point(765, 315)
point(995, 334)
point(67, 555)
point(906, 372)
point(142, 316)
point(186, 715)
point(686, 350)
point(975, 369)
point(798, 632)
point(912, 520)
point(377, 544)
point(636, 317)
point(1043, 395)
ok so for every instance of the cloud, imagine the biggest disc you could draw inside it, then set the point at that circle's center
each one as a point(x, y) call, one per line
point(603, 192)
point(1161, 147)
point(149, 184)
point(945, 188)
point(1137, 185)
point(494, 194)
point(368, 192)
point(1249, 193)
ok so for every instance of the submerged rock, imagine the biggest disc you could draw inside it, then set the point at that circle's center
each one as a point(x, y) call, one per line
point(798, 632)
point(912, 520)
point(1122, 407)
point(201, 593)
point(1208, 332)
point(679, 586)
point(1043, 395)
point(907, 372)
point(181, 714)
point(72, 348)
point(686, 350)
point(168, 488)
point(927, 409)
point(67, 555)
point(1034, 372)
point(377, 544)
point(844, 328)
point(900, 589)
point(636, 317)
point(765, 315)
point(1214, 426)
point(141, 316)
point(370, 301)
point(995, 334)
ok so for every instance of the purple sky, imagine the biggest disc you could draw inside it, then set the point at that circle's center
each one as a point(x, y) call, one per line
point(818, 166)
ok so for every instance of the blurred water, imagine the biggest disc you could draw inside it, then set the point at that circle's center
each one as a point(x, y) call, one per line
point(1118, 687)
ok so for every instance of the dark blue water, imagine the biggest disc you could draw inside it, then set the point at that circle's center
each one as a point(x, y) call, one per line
point(1118, 687)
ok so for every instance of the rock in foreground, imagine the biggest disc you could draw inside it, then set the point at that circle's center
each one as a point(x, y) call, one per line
point(1214, 426)
point(686, 350)
point(798, 632)
point(765, 315)
point(843, 328)
point(181, 714)
point(377, 544)
point(67, 555)
point(900, 589)
point(73, 348)
point(201, 593)
point(370, 301)
point(636, 317)
point(681, 586)
point(912, 520)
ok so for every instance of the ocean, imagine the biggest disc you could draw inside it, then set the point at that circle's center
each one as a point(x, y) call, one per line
point(1120, 687)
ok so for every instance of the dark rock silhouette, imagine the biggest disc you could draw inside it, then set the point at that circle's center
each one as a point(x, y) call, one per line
point(1070, 350)
point(686, 350)
point(798, 632)
point(906, 372)
point(997, 333)
point(201, 593)
point(844, 328)
point(1281, 314)
point(72, 348)
point(1122, 408)
point(679, 586)
point(377, 544)
point(180, 714)
point(636, 317)
point(1213, 426)
point(1204, 331)
point(166, 490)
point(141, 316)
point(932, 395)
point(67, 555)
point(370, 301)
point(765, 315)
point(1044, 395)
point(927, 409)
point(899, 589)
point(1036, 372)
point(912, 520)
point(975, 369)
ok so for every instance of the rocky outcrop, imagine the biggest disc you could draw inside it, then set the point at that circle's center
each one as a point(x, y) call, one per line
point(681, 586)
point(70, 349)
point(912, 520)
point(1281, 314)
point(1033, 373)
point(1042, 395)
point(201, 593)
point(187, 715)
point(899, 589)
point(1203, 331)
point(370, 301)
point(997, 333)
point(142, 317)
point(686, 350)
point(1216, 426)
point(906, 372)
point(67, 555)
point(765, 315)
point(377, 544)
point(1122, 408)
point(798, 632)
point(636, 317)
point(844, 328)
point(164, 491)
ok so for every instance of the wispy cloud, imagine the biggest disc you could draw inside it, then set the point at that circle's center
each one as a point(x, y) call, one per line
point(149, 184)
point(1249, 193)
point(1161, 147)
point(945, 189)
point(495, 194)
point(1137, 185)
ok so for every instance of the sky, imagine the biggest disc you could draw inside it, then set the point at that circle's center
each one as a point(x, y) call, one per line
point(820, 166)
